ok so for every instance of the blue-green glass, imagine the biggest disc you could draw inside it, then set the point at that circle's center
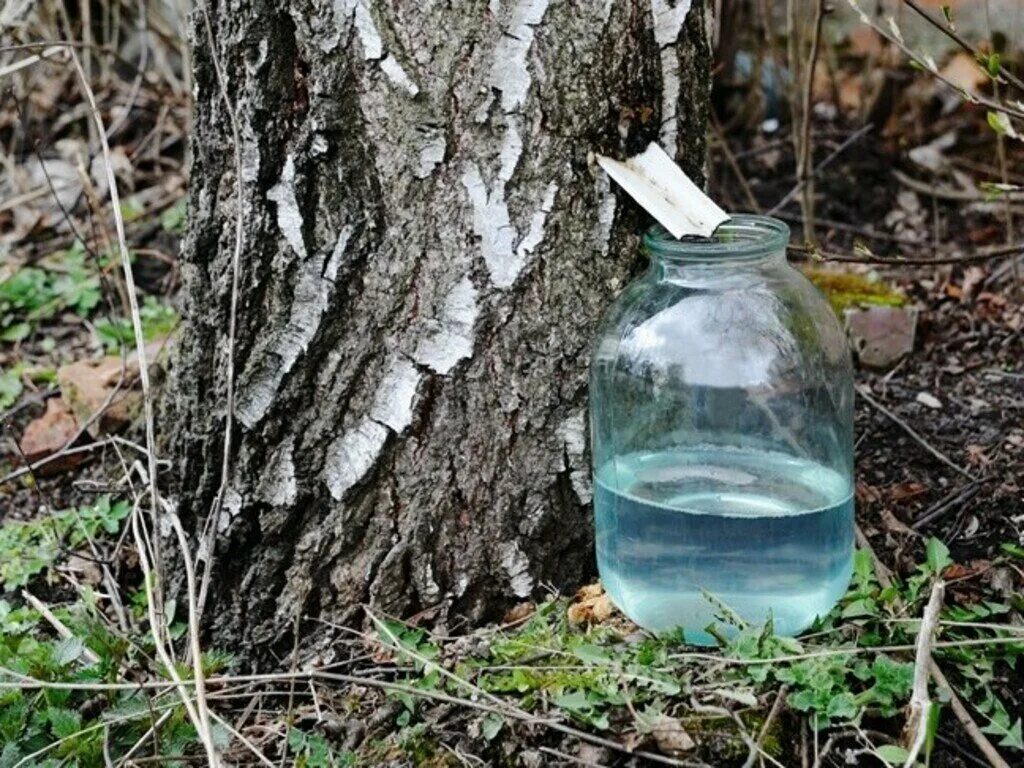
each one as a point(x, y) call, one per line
point(721, 406)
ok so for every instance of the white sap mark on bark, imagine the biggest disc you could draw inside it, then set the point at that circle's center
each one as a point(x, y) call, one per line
point(668, 21)
point(289, 217)
point(606, 11)
point(431, 591)
point(605, 212)
point(278, 486)
point(517, 566)
point(492, 224)
point(572, 432)
point(491, 221)
point(509, 72)
point(263, 377)
point(535, 234)
point(319, 145)
point(431, 154)
point(250, 152)
point(390, 67)
point(352, 455)
point(451, 337)
point(395, 394)
point(370, 39)
point(230, 508)
point(511, 151)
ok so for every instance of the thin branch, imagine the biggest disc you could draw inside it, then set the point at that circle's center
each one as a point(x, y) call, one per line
point(59, 626)
point(863, 392)
point(847, 142)
point(129, 278)
point(1004, 75)
point(968, 96)
point(991, 754)
point(210, 534)
point(804, 173)
point(907, 261)
point(920, 704)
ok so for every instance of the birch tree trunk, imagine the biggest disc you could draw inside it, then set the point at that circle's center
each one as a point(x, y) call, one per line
point(428, 248)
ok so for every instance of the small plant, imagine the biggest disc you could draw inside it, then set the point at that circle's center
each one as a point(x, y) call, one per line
point(34, 294)
point(27, 548)
point(157, 320)
point(310, 750)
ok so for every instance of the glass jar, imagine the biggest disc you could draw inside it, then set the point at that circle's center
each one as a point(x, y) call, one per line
point(721, 407)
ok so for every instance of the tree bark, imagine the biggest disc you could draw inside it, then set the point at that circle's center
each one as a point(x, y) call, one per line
point(428, 249)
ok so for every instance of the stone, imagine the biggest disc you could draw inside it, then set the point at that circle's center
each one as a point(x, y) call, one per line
point(881, 335)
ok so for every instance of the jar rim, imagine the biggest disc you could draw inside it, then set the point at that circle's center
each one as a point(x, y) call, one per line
point(744, 235)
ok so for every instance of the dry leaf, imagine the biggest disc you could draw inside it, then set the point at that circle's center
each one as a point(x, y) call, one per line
point(518, 613)
point(592, 606)
point(670, 736)
point(964, 72)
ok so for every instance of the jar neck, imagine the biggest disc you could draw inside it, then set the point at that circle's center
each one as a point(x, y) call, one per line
point(675, 268)
point(742, 245)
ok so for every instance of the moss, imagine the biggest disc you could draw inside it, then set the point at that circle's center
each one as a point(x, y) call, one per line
point(847, 290)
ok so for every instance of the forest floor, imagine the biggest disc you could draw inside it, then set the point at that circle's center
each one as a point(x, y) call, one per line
point(910, 217)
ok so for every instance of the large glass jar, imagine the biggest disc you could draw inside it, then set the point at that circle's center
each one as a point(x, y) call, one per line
point(721, 406)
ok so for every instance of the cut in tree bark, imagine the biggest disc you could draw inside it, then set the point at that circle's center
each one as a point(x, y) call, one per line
point(428, 249)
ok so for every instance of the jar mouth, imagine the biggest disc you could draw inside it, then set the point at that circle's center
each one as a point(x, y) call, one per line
point(744, 236)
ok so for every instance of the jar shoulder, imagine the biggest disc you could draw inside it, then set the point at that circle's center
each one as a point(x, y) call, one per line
point(756, 319)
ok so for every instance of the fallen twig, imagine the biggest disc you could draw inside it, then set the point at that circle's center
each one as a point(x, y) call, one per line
point(863, 392)
point(920, 704)
point(59, 626)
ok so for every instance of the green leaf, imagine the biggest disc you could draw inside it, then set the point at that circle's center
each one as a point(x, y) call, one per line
point(68, 650)
point(592, 654)
point(173, 219)
point(490, 726)
point(15, 333)
point(10, 386)
point(64, 722)
point(892, 754)
point(938, 558)
point(992, 65)
point(574, 701)
point(1013, 549)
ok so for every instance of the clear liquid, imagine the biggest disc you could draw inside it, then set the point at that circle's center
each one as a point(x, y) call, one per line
point(759, 531)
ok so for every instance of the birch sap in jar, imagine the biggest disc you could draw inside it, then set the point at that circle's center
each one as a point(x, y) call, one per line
point(721, 406)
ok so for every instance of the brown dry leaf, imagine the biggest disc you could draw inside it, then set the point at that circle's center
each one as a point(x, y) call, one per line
point(47, 435)
point(670, 736)
point(976, 455)
point(518, 613)
point(867, 494)
point(893, 524)
point(851, 93)
point(592, 606)
point(85, 386)
point(906, 491)
point(964, 72)
point(865, 41)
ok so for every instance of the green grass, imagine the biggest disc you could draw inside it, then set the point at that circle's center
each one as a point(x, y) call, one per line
point(607, 679)
point(35, 295)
